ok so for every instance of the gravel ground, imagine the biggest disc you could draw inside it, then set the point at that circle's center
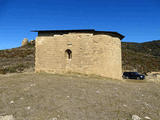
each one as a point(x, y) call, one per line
point(31, 96)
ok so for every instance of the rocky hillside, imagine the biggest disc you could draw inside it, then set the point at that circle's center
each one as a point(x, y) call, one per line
point(143, 57)
point(17, 59)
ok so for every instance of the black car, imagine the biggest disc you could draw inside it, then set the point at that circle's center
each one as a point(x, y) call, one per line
point(133, 75)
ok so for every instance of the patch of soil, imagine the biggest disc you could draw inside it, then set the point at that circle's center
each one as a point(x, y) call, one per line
point(46, 96)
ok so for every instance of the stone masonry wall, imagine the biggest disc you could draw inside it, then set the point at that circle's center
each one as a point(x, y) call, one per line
point(91, 54)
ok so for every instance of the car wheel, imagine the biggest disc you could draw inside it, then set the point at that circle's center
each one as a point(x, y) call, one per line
point(127, 77)
point(138, 78)
point(123, 77)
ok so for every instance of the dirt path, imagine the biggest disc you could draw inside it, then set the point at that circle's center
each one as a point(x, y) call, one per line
point(56, 97)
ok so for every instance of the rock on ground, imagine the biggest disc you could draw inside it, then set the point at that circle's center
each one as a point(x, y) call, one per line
point(135, 117)
point(7, 117)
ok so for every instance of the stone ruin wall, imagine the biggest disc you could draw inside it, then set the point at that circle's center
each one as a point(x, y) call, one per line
point(27, 42)
point(91, 54)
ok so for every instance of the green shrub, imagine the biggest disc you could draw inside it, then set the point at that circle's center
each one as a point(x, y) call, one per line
point(13, 69)
point(2, 71)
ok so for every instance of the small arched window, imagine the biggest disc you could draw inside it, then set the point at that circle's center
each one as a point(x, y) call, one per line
point(68, 53)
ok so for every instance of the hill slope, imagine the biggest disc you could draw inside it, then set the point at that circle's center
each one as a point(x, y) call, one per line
point(144, 57)
point(17, 59)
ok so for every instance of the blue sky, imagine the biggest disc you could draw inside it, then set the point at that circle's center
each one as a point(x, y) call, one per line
point(138, 20)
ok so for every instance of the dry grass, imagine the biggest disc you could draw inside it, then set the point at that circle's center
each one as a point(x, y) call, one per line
point(17, 59)
point(45, 96)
